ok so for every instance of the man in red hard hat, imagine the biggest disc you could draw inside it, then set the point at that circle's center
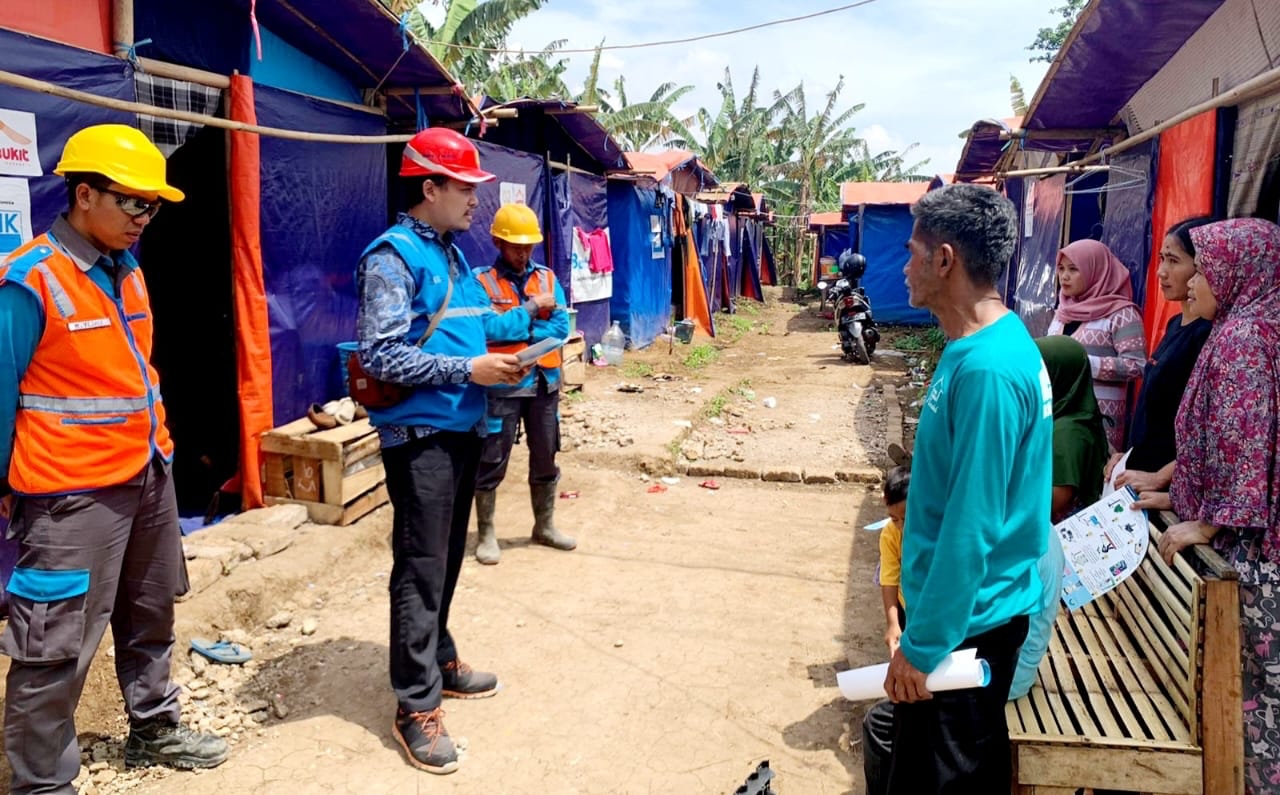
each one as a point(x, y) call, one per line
point(423, 325)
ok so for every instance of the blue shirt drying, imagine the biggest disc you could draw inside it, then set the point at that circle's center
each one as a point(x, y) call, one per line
point(981, 486)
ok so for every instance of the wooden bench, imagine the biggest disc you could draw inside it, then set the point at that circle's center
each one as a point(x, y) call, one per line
point(1127, 697)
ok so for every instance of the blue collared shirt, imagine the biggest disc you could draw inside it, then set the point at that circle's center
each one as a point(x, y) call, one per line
point(22, 322)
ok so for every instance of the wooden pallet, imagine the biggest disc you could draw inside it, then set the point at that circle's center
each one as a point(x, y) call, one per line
point(573, 367)
point(337, 474)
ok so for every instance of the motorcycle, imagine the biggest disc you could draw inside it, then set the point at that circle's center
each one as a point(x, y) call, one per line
point(852, 310)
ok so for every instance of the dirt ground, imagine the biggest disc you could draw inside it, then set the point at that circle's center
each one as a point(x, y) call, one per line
point(694, 632)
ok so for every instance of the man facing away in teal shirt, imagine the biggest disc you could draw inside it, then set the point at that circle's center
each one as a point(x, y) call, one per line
point(978, 518)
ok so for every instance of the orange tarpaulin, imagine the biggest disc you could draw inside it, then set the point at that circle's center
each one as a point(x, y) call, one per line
point(696, 306)
point(253, 342)
point(1184, 189)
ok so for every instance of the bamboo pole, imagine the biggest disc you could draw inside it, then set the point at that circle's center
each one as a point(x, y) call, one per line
point(1038, 172)
point(121, 27)
point(43, 87)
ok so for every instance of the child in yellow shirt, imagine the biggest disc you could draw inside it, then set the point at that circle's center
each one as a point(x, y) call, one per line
point(895, 503)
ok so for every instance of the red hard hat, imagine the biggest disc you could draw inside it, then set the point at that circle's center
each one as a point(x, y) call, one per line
point(437, 150)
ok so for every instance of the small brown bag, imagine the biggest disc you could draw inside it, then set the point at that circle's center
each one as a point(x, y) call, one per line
point(375, 394)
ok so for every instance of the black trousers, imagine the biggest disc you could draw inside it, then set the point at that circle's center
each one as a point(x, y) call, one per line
point(431, 483)
point(956, 743)
point(541, 417)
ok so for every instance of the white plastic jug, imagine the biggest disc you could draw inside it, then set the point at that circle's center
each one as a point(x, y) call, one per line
point(614, 343)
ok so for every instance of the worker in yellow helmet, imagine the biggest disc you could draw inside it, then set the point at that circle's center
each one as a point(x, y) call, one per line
point(85, 472)
point(516, 280)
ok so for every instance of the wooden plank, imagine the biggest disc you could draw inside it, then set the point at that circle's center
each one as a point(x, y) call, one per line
point(1142, 685)
point(1111, 768)
point(1089, 656)
point(344, 433)
point(1222, 715)
point(1069, 692)
point(276, 485)
point(304, 446)
point(1178, 605)
point(1142, 618)
point(337, 515)
point(1122, 743)
point(306, 479)
point(374, 499)
point(353, 486)
point(1040, 700)
point(361, 450)
point(318, 512)
point(1196, 647)
point(296, 428)
point(1170, 664)
point(331, 483)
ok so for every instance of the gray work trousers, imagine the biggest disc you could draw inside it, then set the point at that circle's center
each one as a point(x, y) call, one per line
point(128, 540)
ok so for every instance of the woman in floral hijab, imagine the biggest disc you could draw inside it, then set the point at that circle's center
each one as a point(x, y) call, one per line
point(1226, 483)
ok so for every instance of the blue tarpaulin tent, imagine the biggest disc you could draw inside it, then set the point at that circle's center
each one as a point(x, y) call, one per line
point(885, 230)
point(641, 244)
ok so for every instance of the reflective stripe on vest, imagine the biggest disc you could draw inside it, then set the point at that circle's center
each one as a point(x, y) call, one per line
point(89, 409)
point(503, 295)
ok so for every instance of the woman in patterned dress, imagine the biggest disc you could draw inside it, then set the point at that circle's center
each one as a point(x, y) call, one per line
point(1226, 482)
point(1095, 307)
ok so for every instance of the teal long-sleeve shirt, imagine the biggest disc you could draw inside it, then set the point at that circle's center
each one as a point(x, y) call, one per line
point(556, 326)
point(981, 487)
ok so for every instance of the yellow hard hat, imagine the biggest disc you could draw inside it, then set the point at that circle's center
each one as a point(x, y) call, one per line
point(122, 154)
point(516, 223)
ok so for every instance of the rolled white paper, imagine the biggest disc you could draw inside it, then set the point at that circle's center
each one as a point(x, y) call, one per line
point(960, 670)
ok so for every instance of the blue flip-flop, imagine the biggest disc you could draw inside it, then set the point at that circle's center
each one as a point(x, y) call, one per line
point(224, 651)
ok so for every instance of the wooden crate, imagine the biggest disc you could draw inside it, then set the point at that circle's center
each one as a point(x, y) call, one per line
point(573, 362)
point(337, 474)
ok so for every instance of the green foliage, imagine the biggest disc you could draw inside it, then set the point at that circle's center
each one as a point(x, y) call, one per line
point(637, 370)
point(1050, 40)
point(699, 356)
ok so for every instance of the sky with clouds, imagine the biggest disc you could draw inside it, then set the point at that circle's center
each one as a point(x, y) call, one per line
point(925, 69)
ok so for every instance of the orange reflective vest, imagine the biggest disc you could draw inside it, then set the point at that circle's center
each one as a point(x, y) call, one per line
point(503, 296)
point(89, 409)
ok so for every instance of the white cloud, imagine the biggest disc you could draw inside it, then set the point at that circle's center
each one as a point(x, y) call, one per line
point(925, 69)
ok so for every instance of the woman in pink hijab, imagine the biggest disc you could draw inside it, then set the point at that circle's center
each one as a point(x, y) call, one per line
point(1095, 307)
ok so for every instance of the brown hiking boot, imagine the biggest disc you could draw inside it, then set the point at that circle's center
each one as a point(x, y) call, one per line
point(425, 742)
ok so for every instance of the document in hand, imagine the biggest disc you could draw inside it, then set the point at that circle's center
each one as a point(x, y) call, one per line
point(1103, 545)
point(961, 669)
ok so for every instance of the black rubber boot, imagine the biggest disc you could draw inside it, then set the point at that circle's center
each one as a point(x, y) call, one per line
point(543, 498)
point(487, 551)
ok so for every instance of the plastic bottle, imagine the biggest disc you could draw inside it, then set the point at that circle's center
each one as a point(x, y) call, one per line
point(614, 343)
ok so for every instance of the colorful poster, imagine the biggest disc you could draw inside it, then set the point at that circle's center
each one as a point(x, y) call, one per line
point(1103, 545)
point(19, 152)
point(15, 213)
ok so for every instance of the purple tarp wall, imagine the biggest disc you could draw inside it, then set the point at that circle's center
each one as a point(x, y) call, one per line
point(1126, 227)
point(321, 205)
point(518, 171)
point(57, 119)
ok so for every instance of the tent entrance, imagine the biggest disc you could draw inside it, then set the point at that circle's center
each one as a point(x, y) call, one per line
point(186, 258)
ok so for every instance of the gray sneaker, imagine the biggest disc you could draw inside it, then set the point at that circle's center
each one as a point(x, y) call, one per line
point(159, 742)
